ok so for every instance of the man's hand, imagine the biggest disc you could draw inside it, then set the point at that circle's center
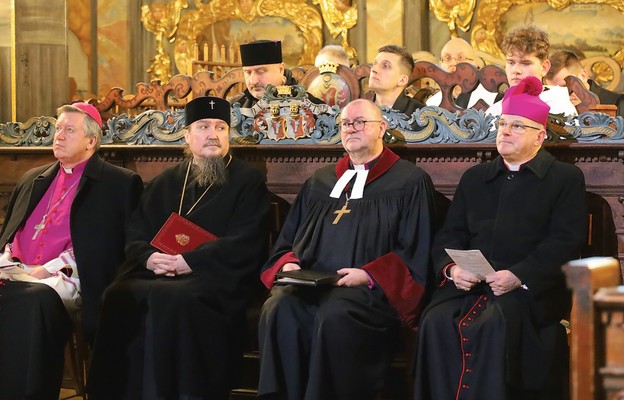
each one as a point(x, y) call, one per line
point(463, 280)
point(503, 281)
point(167, 265)
point(180, 266)
point(290, 267)
point(352, 277)
point(39, 272)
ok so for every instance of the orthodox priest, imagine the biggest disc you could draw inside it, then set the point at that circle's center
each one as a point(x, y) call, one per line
point(65, 225)
point(171, 323)
point(263, 65)
point(499, 336)
point(368, 219)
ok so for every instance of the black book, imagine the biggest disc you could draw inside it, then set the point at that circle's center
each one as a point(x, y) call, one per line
point(306, 277)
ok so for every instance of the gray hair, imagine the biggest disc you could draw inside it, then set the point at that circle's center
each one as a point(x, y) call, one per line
point(91, 128)
point(333, 52)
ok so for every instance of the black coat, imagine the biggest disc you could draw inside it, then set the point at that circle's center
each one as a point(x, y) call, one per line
point(403, 104)
point(104, 201)
point(531, 227)
point(475, 345)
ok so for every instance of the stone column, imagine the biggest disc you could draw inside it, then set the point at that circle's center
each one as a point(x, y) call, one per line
point(38, 58)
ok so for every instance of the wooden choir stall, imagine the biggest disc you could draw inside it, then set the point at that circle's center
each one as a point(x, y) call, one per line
point(143, 133)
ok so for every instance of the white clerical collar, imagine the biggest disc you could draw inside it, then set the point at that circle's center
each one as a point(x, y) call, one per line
point(68, 170)
point(360, 173)
point(513, 167)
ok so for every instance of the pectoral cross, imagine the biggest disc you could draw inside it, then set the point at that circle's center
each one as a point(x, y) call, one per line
point(341, 212)
point(39, 227)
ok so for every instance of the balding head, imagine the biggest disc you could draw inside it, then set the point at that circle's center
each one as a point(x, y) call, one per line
point(371, 109)
point(455, 51)
point(362, 128)
point(332, 53)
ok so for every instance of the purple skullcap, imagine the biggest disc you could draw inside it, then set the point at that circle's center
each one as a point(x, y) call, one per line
point(90, 110)
point(523, 100)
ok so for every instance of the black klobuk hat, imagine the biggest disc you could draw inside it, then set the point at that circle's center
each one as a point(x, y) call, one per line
point(261, 52)
point(207, 107)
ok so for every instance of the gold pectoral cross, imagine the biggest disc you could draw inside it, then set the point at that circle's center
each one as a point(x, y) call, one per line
point(341, 212)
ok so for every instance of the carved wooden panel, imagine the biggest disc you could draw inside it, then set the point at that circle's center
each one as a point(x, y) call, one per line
point(287, 167)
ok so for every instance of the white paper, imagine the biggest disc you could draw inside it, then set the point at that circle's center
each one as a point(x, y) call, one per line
point(472, 261)
point(15, 269)
point(6, 263)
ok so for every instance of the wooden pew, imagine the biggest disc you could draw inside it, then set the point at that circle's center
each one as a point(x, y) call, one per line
point(598, 149)
point(287, 167)
point(609, 303)
point(585, 277)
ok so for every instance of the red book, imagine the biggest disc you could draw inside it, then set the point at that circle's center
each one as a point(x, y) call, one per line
point(178, 235)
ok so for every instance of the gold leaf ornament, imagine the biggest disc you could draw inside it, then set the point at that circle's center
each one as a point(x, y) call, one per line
point(456, 13)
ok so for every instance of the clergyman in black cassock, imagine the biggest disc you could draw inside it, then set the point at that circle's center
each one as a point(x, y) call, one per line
point(374, 228)
point(501, 337)
point(263, 65)
point(171, 325)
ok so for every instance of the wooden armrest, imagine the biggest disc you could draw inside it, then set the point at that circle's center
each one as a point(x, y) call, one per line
point(585, 277)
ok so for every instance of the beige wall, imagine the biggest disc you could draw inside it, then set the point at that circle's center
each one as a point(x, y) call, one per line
point(384, 25)
point(38, 61)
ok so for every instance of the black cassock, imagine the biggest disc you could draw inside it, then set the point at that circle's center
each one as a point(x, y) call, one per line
point(34, 328)
point(474, 345)
point(170, 337)
point(337, 342)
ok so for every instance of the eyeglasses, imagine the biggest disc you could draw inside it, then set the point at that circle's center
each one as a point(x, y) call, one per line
point(358, 124)
point(447, 59)
point(516, 127)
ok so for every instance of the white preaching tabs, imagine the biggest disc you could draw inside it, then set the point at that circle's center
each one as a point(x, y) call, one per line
point(357, 192)
point(472, 261)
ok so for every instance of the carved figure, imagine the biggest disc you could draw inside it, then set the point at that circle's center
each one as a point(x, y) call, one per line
point(162, 20)
point(339, 17)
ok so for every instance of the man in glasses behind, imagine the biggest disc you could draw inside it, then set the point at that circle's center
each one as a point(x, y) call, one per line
point(499, 336)
point(369, 220)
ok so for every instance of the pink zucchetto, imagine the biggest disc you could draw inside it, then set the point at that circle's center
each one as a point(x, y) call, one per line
point(90, 110)
point(523, 100)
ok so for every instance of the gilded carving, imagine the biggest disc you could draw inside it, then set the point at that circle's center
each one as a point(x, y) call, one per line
point(162, 20)
point(190, 24)
point(558, 4)
point(456, 13)
point(605, 70)
point(339, 17)
point(304, 16)
point(485, 31)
